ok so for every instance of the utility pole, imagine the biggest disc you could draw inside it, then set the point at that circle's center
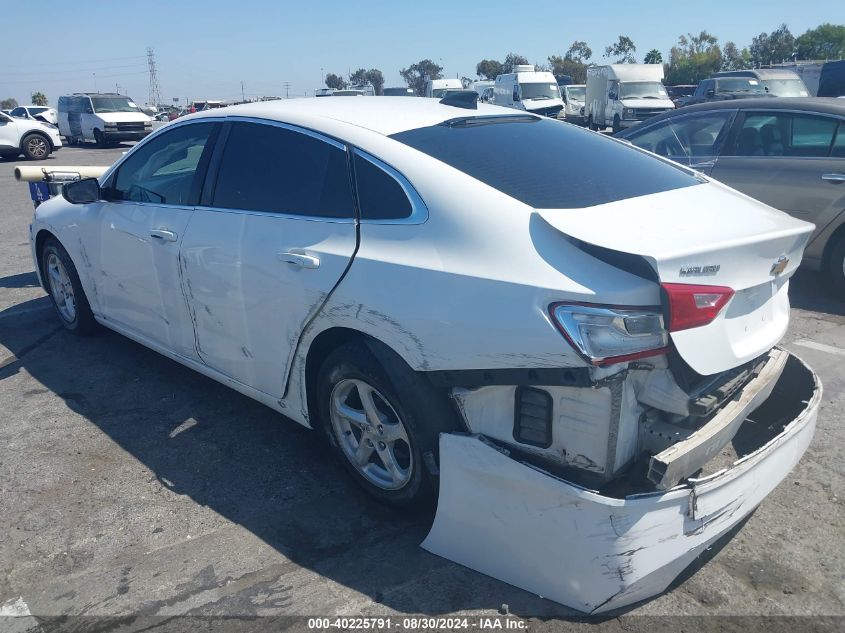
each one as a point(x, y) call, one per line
point(243, 98)
point(155, 94)
point(287, 90)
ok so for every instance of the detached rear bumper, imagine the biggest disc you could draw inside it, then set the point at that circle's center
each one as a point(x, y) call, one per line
point(595, 553)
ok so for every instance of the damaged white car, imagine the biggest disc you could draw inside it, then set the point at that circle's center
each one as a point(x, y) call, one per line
point(575, 340)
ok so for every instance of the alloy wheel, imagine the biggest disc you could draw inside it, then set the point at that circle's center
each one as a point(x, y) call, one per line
point(37, 147)
point(61, 288)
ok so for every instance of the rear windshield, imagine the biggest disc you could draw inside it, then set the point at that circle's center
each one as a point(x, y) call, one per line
point(544, 163)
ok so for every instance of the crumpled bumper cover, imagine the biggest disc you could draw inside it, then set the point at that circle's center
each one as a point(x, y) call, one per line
point(593, 553)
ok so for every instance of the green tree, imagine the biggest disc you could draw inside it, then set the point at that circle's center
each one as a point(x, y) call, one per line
point(376, 78)
point(417, 74)
point(693, 58)
point(573, 64)
point(826, 41)
point(335, 81)
point(623, 50)
point(772, 48)
point(735, 59)
point(358, 78)
point(39, 99)
point(579, 52)
point(511, 60)
point(653, 57)
point(8, 104)
point(488, 68)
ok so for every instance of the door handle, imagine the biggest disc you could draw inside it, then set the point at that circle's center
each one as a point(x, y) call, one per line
point(836, 178)
point(164, 235)
point(704, 164)
point(300, 260)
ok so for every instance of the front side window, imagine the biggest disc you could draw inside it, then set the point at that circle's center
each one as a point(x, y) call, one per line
point(18, 112)
point(838, 150)
point(685, 137)
point(380, 196)
point(275, 169)
point(544, 163)
point(163, 170)
point(784, 134)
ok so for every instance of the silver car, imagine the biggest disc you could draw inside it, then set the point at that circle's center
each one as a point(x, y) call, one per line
point(788, 153)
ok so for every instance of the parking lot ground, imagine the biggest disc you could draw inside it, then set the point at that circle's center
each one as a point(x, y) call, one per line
point(130, 485)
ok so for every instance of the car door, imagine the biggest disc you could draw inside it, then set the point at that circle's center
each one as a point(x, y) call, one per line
point(148, 204)
point(784, 158)
point(693, 139)
point(9, 134)
point(273, 237)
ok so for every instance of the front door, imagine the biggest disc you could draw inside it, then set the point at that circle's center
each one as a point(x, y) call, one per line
point(263, 254)
point(149, 204)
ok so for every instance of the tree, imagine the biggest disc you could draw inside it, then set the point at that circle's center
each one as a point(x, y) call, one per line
point(826, 41)
point(39, 99)
point(561, 68)
point(511, 60)
point(653, 57)
point(488, 68)
point(335, 81)
point(623, 50)
point(735, 59)
point(774, 47)
point(579, 52)
point(358, 78)
point(376, 78)
point(693, 58)
point(417, 74)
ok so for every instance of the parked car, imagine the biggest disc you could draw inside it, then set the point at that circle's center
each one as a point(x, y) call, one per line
point(36, 140)
point(725, 88)
point(788, 153)
point(437, 88)
point(574, 96)
point(398, 92)
point(36, 113)
point(105, 118)
point(487, 95)
point(777, 82)
point(624, 95)
point(680, 94)
point(563, 359)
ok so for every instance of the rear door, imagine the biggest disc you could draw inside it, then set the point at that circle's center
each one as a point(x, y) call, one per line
point(693, 140)
point(789, 161)
point(275, 234)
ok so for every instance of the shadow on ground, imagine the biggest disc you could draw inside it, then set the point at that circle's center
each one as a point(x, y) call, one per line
point(810, 290)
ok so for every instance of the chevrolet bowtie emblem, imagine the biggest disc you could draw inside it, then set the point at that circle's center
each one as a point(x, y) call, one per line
point(779, 266)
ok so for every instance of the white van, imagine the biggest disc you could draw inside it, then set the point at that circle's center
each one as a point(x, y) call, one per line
point(622, 95)
point(573, 98)
point(437, 87)
point(102, 117)
point(529, 90)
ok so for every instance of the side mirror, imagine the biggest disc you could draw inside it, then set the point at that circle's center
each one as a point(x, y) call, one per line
point(82, 191)
point(710, 92)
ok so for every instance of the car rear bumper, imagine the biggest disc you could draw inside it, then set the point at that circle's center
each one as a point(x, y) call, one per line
point(520, 524)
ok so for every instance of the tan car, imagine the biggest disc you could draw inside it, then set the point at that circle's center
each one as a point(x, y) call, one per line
point(787, 152)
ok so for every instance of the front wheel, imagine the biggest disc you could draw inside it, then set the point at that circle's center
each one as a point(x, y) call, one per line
point(836, 265)
point(66, 294)
point(100, 139)
point(383, 422)
point(617, 124)
point(35, 147)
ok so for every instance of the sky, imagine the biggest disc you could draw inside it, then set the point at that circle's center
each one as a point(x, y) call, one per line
point(205, 50)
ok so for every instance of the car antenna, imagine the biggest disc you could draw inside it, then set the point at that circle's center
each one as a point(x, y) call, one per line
point(461, 99)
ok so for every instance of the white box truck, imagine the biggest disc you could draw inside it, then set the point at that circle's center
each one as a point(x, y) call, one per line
point(622, 95)
point(529, 90)
point(437, 87)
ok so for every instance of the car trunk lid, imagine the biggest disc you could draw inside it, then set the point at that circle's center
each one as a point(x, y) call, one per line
point(709, 235)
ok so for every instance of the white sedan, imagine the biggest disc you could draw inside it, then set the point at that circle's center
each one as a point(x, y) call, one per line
point(560, 334)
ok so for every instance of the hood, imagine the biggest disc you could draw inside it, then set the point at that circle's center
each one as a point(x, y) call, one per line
point(708, 235)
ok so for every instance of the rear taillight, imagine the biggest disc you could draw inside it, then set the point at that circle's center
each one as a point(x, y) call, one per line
point(608, 334)
point(693, 306)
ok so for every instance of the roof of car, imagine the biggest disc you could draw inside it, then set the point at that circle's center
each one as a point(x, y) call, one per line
point(384, 116)
point(823, 105)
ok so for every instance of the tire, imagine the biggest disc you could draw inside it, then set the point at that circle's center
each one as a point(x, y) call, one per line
point(35, 147)
point(410, 415)
point(836, 266)
point(65, 290)
point(617, 124)
point(590, 125)
point(100, 139)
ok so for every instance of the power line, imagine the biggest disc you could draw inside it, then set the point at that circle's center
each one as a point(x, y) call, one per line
point(73, 63)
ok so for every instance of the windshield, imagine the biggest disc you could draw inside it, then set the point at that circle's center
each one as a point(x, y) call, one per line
point(545, 164)
point(114, 104)
point(37, 110)
point(539, 91)
point(577, 93)
point(786, 87)
point(739, 84)
point(642, 90)
point(439, 92)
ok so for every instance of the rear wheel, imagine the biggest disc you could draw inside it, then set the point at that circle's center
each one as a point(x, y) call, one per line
point(62, 283)
point(617, 124)
point(836, 265)
point(35, 147)
point(383, 422)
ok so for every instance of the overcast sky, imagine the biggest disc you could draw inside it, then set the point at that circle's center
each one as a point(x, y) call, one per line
point(206, 49)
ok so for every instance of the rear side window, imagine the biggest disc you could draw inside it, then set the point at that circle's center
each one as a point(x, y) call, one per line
point(380, 196)
point(275, 169)
point(784, 134)
point(838, 150)
point(544, 163)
